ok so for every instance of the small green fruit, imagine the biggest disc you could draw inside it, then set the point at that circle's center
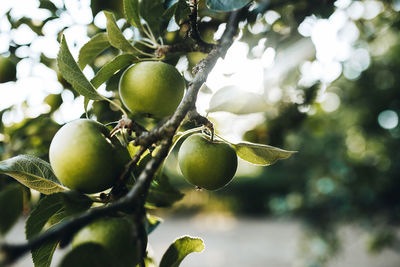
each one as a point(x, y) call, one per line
point(152, 87)
point(205, 163)
point(7, 70)
point(116, 235)
point(84, 158)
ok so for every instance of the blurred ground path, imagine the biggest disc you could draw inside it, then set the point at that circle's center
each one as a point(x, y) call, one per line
point(253, 242)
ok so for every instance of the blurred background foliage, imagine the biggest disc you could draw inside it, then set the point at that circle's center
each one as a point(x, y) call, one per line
point(337, 105)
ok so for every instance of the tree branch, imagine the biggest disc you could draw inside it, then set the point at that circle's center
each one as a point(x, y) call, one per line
point(194, 30)
point(163, 134)
point(198, 46)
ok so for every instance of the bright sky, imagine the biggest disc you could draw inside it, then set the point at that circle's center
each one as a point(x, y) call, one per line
point(336, 51)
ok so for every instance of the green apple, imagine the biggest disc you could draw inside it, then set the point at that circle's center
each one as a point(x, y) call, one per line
point(152, 87)
point(205, 163)
point(194, 58)
point(116, 235)
point(7, 70)
point(84, 158)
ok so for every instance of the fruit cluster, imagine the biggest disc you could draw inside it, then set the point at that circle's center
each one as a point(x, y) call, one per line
point(85, 158)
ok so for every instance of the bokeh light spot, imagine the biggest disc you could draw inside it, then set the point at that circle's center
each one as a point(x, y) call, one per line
point(388, 119)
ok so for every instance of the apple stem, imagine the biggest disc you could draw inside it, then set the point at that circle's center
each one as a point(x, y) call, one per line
point(193, 115)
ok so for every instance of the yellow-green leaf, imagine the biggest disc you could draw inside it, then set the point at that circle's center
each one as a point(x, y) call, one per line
point(93, 48)
point(178, 250)
point(11, 204)
point(259, 154)
point(73, 74)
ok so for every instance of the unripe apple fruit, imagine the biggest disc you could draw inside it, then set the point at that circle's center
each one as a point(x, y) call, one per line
point(116, 235)
point(205, 163)
point(84, 158)
point(152, 87)
point(7, 70)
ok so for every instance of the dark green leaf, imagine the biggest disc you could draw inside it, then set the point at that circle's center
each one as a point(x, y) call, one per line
point(43, 255)
point(182, 12)
point(73, 74)
point(259, 154)
point(11, 205)
point(132, 12)
point(152, 11)
point(236, 101)
point(115, 36)
point(178, 250)
point(162, 193)
point(93, 48)
point(51, 210)
point(32, 172)
point(71, 202)
point(47, 4)
point(112, 67)
point(226, 5)
point(170, 12)
point(152, 222)
point(88, 254)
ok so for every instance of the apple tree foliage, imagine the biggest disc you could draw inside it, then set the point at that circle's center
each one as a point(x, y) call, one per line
point(328, 182)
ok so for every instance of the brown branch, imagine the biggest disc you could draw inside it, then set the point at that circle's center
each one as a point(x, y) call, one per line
point(133, 200)
point(194, 33)
point(163, 50)
point(202, 70)
point(130, 125)
point(193, 115)
point(198, 46)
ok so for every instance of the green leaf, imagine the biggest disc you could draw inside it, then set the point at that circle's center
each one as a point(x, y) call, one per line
point(115, 36)
point(73, 74)
point(162, 193)
point(92, 49)
point(170, 12)
point(32, 172)
point(51, 210)
point(259, 154)
point(152, 11)
point(11, 205)
point(132, 12)
point(69, 202)
point(182, 12)
point(46, 4)
point(178, 250)
point(43, 255)
point(112, 67)
point(226, 5)
point(236, 101)
point(152, 222)
point(88, 254)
